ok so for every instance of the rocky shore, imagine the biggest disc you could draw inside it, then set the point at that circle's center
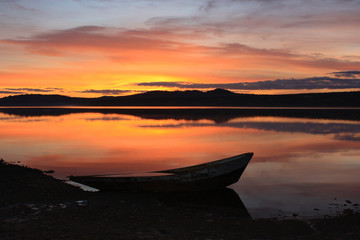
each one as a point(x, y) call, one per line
point(34, 205)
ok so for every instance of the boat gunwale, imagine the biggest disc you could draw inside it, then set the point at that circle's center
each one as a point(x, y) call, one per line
point(205, 165)
point(164, 174)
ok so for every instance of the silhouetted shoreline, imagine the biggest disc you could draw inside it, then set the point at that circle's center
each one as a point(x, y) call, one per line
point(217, 97)
point(36, 206)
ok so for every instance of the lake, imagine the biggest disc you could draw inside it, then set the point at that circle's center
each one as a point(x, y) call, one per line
point(306, 162)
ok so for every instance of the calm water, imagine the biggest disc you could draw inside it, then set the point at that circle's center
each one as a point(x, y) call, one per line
point(304, 162)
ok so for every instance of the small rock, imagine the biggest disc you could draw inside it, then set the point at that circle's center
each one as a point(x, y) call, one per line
point(32, 207)
point(81, 203)
point(62, 205)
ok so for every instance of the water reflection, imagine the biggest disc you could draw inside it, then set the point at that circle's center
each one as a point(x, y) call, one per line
point(217, 115)
point(303, 158)
point(224, 200)
point(281, 126)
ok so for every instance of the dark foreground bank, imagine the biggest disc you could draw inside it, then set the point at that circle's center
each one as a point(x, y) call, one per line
point(34, 205)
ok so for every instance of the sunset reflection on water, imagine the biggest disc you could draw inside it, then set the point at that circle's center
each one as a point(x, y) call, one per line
point(299, 163)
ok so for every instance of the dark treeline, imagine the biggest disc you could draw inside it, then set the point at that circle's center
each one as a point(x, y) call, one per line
point(217, 97)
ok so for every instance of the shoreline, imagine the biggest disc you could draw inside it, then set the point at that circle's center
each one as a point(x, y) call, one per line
point(34, 205)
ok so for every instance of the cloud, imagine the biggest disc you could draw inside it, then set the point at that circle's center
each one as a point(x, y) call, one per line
point(213, 4)
point(169, 84)
point(294, 24)
point(347, 74)
point(108, 91)
point(10, 92)
point(94, 38)
point(348, 137)
point(306, 83)
point(172, 52)
point(241, 49)
point(28, 90)
point(106, 119)
point(118, 40)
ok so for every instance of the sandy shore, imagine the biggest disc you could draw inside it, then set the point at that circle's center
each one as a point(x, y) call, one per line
point(34, 205)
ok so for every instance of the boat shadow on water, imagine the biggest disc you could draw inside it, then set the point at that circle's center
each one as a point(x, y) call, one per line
point(225, 200)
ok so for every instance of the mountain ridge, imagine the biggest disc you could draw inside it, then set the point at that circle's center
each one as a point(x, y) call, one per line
point(216, 97)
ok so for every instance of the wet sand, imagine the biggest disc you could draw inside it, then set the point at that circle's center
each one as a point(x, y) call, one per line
point(34, 205)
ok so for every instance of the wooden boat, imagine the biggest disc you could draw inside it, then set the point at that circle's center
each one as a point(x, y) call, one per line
point(203, 177)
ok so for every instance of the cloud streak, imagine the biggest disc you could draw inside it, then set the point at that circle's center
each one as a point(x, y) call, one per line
point(108, 91)
point(94, 38)
point(347, 74)
point(279, 84)
point(29, 90)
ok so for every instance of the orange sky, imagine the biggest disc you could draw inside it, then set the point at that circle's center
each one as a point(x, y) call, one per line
point(94, 48)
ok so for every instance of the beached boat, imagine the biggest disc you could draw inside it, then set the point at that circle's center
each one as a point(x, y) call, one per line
point(203, 177)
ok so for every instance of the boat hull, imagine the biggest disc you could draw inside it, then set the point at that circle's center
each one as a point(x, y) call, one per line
point(204, 177)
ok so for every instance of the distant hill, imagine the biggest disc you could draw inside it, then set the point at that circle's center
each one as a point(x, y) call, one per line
point(41, 100)
point(217, 97)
